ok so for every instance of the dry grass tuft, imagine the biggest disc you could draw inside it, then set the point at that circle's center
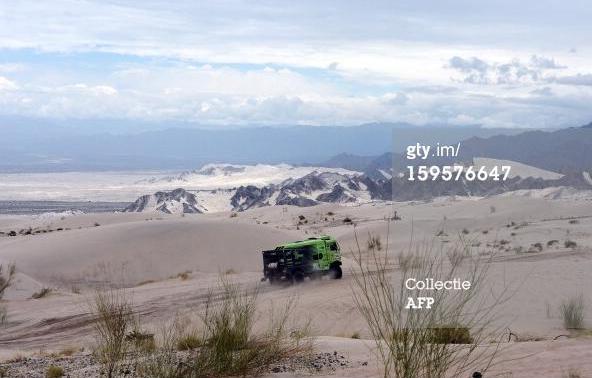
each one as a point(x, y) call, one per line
point(5, 281)
point(453, 337)
point(113, 319)
point(572, 312)
point(54, 372)
point(44, 292)
point(225, 343)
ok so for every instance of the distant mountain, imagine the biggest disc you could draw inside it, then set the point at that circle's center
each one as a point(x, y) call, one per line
point(334, 187)
point(348, 161)
point(177, 201)
point(30, 147)
point(377, 167)
point(564, 151)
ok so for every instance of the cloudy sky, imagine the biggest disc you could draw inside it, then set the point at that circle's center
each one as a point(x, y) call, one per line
point(502, 63)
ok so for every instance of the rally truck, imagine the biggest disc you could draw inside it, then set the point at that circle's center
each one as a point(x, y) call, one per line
point(293, 262)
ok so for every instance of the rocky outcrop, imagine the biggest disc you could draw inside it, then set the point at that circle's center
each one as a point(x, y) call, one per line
point(174, 202)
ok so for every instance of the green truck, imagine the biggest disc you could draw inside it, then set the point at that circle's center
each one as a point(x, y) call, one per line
point(294, 261)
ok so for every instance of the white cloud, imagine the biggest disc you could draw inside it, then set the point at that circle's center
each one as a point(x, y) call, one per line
point(311, 62)
point(6, 84)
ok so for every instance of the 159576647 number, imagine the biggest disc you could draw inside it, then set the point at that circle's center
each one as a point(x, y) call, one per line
point(457, 172)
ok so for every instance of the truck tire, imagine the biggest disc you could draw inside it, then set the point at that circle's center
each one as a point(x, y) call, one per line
point(335, 272)
point(298, 277)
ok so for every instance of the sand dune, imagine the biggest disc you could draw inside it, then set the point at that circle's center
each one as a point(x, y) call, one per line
point(130, 248)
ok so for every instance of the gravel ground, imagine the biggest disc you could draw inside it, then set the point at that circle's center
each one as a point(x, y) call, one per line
point(85, 366)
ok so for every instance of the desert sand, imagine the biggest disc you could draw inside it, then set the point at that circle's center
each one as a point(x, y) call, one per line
point(147, 254)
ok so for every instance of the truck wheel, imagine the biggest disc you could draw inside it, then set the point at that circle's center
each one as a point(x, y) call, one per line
point(298, 277)
point(335, 272)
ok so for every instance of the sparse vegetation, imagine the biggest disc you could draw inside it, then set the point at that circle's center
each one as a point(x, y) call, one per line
point(44, 292)
point(355, 335)
point(97, 224)
point(536, 247)
point(374, 242)
point(347, 220)
point(141, 341)
point(184, 276)
point(225, 344)
point(189, 342)
point(552, 243)
point(574, 221)
point(233, 215)
point(113, 312)
point(417, 343)
point(570, 244)
point(573, 373)
point(5, 281)
point(572, 312)
point(54, 372)
point(465, 231)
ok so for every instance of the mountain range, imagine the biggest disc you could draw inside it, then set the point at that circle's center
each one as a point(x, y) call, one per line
point(348, 189)
point(30, 147)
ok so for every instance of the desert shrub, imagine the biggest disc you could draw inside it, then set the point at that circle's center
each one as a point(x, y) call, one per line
point(441, 233)
point(330, 213)
point(574, 221)
point(233, 215)
point(301, 217)
point(573, 373)
point(113, 319)
point(54, 372)
point(355, 335)
point(570, 244)
point(347, 220)
point(465, 231)
point(5, 281)
point(374, 242)
point(551, 243)
point(44, 292)
point(97, 224)
point(189, 342)
point(140, 340)
point(456, 255)
point(538, 246)
point(572, 312)
point(408, 261)
point(225, 344)
point(417, 343)
point(450, 335)
point(183, 276)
